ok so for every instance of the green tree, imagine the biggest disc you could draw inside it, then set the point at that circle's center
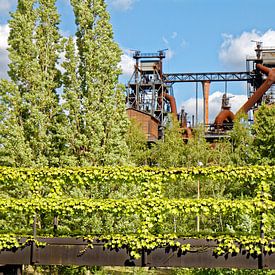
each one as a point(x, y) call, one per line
point(264, 135)
point(42, 122)
point(73, 97)
point(241, 141)
point(15, 149)
point(100, 138)
point(170, 151)
point(139, 153)
point(220, 153)
point(197, 149)
point(34, 46)
point(22, 49)
point(214, 153)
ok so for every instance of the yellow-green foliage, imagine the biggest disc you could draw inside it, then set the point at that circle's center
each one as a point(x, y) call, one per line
point(132, 206)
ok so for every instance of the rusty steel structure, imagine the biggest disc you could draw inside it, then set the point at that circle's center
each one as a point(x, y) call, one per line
point(150, 92)
point(265, 86)
point(149, 99)
point(75, 251)
point(225, 117)
point(264, 81)
point(210, 76)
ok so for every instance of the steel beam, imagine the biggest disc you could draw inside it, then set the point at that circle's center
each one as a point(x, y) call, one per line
point(212, 77)
point(73, 251)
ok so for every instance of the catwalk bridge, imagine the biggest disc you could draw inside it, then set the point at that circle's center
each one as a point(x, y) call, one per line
point(212, 77)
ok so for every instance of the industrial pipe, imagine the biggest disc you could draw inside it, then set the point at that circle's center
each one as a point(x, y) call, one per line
point(187, 134)
point(227, 116)
point(206, 88)
point(223, 117)
point(261, 90)
point(172, 102)
point(173, 105)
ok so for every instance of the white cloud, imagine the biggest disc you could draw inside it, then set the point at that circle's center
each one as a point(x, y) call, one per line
point(169, 54)
point(127, 64)
point(234, 50)
point(183, 43)
point(4, 33)
point(215, 100)
point(174, 35)
point(6, 5)
point(4, 59)
point(165, 40)
point(122, 4)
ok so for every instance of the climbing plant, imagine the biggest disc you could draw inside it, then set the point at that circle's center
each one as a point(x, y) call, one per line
point(146, 217)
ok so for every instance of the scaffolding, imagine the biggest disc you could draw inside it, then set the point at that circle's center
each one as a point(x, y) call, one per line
point(147, 93)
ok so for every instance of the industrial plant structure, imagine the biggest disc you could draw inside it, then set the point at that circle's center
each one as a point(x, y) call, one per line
point(150, 96)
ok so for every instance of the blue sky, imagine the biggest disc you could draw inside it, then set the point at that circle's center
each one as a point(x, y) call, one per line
point(201, 35)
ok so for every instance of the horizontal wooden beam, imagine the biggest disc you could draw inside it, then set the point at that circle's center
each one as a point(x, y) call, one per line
point(73, 251)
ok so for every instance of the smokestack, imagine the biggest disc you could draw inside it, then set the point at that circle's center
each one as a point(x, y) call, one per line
point(206, 88)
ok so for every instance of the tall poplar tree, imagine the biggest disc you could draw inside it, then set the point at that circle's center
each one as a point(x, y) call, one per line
point(73, 107)
point(15, 149)
point(41, 125)
point(94, 100)
point(34, 47)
